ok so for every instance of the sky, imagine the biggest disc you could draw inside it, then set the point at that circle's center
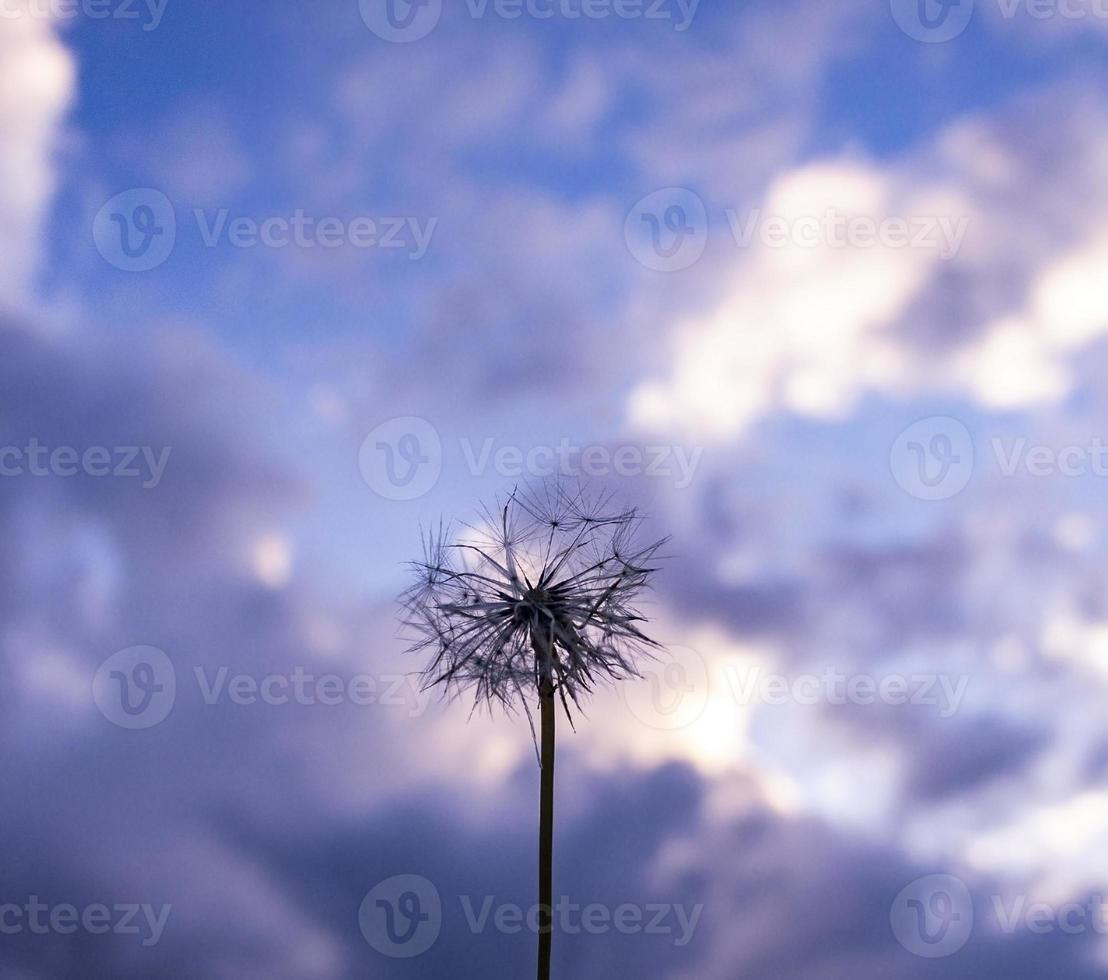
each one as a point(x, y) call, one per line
point(820, 287)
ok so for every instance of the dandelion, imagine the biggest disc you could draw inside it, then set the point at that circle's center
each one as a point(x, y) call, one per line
point(537, 601)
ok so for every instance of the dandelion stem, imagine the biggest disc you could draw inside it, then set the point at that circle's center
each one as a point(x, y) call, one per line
point(546, 827)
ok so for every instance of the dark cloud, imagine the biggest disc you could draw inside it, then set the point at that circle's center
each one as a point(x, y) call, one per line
point(971, 754)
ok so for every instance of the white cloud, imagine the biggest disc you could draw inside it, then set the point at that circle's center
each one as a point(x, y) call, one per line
point(37, 78)
point(1012, 367)
point(998, 306)
point(1070, 299)
point(1025, 360)
point(801, 329)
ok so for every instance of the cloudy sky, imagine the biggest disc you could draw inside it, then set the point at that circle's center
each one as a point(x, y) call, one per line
point(822, 287)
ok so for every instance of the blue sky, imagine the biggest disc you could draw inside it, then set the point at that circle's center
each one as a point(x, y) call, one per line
point(819, 288)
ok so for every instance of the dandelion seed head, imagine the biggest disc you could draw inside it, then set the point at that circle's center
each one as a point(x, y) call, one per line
point(539, 594)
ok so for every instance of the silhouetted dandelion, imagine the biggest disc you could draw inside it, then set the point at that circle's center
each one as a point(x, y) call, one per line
point(535, 601)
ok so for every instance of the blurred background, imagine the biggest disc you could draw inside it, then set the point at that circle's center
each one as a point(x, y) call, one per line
point(823, 287)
